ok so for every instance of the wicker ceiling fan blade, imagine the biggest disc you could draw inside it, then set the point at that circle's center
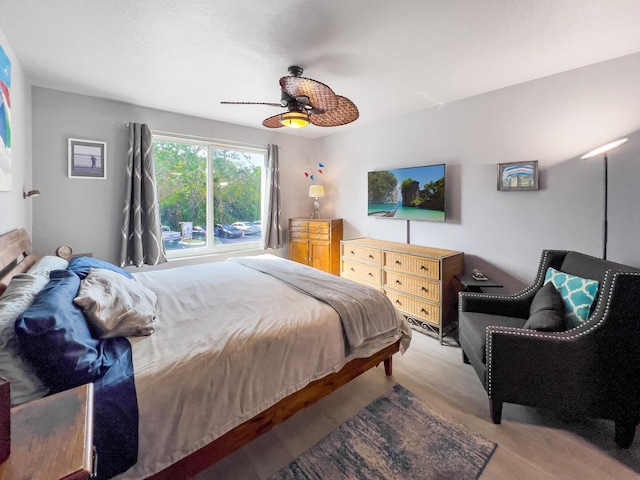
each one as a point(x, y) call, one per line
point(253, 103)
point(321, 97)
point(345, 112)
point(307, 101)
point(272, 122)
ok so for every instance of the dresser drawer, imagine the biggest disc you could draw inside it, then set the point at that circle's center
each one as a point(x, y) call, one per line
point(416, 285)
point(361, 281)
point(299, 229)
point(415, 307)
point(368, 273)
point(411, 264)
point(370, 255)
point(321, 228)
point(319, 236)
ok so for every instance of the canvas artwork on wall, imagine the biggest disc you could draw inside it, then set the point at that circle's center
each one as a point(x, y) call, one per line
point(5, 122)
point(518, 176)
point(87, 159)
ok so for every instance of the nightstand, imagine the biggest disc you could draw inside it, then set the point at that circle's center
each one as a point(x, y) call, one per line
point(52, 437)
point(472, 285)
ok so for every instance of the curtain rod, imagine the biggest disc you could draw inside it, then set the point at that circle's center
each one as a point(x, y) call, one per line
point(207, 139)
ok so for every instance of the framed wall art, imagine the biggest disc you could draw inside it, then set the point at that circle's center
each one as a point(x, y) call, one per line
point(5, 122)
point(87, 159)
point(518, 176)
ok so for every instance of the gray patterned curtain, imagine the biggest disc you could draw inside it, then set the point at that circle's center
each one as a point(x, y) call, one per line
point(271, 230)
point(141, 228)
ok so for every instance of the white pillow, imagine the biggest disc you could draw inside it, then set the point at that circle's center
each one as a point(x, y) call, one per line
point(48, 263)
point(19, 295)
point(116, 306)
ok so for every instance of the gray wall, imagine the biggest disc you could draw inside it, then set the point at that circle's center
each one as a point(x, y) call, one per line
point(87, 213)
point(553, 120)
point(15, 211)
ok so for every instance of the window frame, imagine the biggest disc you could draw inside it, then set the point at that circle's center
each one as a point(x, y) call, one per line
point(210, 248)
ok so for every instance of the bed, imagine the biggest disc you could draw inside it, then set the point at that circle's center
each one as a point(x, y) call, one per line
point(236, 350)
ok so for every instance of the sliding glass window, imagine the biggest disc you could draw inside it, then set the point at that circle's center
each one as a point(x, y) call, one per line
point(209, 195)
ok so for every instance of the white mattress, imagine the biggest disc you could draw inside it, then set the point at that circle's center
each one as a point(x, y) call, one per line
point(229, 343)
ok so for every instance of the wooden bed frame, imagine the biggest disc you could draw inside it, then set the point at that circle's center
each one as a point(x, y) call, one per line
point(16, 256)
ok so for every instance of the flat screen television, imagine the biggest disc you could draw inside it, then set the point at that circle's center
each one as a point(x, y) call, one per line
point(414, 193)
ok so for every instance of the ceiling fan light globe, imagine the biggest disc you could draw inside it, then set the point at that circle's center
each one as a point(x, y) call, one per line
point(294, 119)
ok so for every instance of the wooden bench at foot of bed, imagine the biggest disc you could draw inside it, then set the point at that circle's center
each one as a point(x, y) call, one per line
point(276, 414)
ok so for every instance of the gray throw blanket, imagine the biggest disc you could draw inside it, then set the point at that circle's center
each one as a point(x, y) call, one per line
point(366, 314)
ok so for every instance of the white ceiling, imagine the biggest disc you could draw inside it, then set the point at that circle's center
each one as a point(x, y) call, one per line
point(388, 57)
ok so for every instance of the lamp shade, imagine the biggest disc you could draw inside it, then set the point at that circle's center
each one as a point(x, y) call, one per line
point(294, 119)
point(604, 148)
point(316, 191)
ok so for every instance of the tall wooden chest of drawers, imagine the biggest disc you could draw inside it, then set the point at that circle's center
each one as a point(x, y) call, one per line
point(316, 242)
point(419, 280)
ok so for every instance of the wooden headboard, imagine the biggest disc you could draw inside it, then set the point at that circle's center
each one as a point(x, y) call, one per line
point(16, 255)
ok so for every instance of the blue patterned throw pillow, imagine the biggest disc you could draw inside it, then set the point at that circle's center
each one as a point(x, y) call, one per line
point(577, 293)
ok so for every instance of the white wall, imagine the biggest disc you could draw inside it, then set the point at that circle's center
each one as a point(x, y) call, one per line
point(553, 120)
point(87, 214)
point(15, 211)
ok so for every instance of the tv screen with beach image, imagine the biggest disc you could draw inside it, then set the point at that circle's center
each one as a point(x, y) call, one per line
point(414, 193)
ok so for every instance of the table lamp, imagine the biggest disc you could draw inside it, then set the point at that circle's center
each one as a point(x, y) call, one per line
point(316, 191)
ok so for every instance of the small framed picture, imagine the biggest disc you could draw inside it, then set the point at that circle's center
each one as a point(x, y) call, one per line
point(518, 176)
point(87, 159)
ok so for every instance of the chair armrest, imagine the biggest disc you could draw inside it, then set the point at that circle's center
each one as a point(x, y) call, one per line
point(530, 367)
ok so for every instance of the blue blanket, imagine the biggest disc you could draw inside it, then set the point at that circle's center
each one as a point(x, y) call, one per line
point(55, 337)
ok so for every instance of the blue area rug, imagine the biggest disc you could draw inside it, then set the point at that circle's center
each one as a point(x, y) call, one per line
point(397, 436)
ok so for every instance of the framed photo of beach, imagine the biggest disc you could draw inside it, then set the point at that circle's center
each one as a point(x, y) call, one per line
point(87, 159)
point(518, 176)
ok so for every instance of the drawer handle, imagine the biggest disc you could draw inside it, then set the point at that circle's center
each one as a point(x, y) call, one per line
point(422, 310)
point(370, 274)
point(424, 289)
point(398, 282)
point(370, 256)
point(398, 262)
point(398, 302)
point(352, 252)
point(352, 269)
point(422, 267)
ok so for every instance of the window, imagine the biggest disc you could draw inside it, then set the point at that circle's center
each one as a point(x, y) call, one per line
point(209, 195)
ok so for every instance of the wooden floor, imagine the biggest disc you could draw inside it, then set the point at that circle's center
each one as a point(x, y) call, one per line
point(532, 444)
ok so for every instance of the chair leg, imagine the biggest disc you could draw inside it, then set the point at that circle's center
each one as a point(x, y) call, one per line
point(465, 359)
point(495, 409)
point(625, 432)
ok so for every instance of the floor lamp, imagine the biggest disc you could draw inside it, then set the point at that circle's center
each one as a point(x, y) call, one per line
point(593, 153)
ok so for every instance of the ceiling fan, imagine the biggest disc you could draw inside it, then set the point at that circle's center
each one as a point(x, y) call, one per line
point(307, 101)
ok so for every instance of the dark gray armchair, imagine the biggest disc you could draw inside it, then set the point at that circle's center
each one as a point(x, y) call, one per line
point(591, 369)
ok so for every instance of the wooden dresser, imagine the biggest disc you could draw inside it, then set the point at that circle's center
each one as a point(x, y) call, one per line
point(316, 242)
point(419, 280)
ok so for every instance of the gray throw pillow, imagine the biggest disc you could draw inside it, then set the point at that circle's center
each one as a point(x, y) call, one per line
point(547, 310)
point(116, 306)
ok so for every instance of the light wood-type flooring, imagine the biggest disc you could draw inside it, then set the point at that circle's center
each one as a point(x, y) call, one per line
point(532, 443)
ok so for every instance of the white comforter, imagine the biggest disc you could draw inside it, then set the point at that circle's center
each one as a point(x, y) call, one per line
point(229, 343)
